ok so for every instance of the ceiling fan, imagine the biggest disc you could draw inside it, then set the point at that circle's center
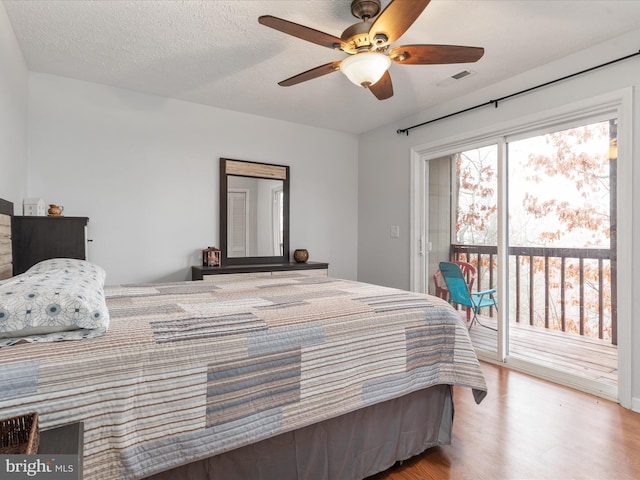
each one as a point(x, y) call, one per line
point(368, 44)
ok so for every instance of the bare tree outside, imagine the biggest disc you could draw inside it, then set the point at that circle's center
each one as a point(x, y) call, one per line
point(476, 194)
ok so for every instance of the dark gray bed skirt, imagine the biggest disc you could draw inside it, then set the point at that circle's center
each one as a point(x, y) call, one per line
point(352, 446)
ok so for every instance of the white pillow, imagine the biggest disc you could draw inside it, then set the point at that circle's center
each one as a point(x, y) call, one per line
point(58, 295)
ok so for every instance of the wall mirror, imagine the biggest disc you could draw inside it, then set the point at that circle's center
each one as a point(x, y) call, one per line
point(254, 212)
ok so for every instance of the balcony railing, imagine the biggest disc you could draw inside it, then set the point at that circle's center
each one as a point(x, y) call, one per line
point(566, 289)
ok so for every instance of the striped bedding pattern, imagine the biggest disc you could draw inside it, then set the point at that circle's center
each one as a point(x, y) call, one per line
point(188, 370)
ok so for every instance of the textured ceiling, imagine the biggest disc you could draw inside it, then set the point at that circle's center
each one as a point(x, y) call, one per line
point(216, 53)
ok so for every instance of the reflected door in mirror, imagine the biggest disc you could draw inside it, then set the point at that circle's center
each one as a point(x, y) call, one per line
point(238, 217)
point(277, 215)
point(255, 219)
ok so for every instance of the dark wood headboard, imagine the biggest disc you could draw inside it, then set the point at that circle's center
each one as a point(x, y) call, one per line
point(6, 260)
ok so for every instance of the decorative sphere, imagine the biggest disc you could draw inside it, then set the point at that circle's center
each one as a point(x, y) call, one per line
point(301, 255)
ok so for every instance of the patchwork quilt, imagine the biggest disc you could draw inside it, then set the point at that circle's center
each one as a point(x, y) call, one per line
point(189, 370)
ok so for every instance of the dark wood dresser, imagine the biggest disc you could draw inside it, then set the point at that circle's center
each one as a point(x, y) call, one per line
point(41, 238)
point(238, 271)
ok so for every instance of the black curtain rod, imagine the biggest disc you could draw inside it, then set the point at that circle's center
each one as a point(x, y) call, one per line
point(495, 102)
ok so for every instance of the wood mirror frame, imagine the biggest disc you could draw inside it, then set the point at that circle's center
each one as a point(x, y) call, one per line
point(241, 168)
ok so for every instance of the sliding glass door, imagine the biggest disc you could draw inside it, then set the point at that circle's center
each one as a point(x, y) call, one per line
point(560, 258)
point(542, 205)
point(562, 249)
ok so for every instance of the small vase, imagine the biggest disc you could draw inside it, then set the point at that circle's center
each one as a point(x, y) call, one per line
point(301, 255)
point(55, 210)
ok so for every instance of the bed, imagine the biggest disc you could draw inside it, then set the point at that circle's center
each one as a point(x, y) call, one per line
point(291, 376)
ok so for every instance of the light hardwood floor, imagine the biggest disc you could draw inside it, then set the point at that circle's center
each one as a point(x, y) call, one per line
point(530, 429)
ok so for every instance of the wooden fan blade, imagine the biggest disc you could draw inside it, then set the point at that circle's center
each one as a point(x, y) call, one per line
point(383, 88)
point(434, 54)
point(397, 18)
point(300, 31)
point(311, 74)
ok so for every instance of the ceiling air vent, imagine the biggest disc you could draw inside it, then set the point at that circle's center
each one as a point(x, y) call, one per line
point(462, 74)
point(457, 76)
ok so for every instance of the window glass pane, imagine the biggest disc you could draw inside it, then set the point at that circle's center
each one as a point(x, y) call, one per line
point(475, 196)
point(559, 188)
point(560, 218)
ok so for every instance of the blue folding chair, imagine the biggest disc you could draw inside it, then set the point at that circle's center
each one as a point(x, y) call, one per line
point(459, 292)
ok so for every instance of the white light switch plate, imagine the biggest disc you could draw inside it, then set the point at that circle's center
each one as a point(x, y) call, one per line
point(394, 232)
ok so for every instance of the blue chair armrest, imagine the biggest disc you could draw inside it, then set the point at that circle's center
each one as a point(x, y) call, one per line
point(482, 301)
point(485, 292)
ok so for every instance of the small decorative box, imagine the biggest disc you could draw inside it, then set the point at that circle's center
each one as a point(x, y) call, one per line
point(211, 257)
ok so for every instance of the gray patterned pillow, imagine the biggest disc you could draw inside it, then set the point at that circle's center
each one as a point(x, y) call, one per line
point(56, 299)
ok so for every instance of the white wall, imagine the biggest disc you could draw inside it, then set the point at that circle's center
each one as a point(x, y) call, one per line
point(13, 116)
point(144, 169)
point(384, 168)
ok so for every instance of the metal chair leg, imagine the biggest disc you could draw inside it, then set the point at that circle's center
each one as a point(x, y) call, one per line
point(475, 320)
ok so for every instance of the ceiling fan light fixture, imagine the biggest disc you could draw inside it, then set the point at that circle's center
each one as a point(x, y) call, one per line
point(365, 69)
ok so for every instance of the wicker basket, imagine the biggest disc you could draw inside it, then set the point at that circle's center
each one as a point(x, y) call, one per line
point(20, 435)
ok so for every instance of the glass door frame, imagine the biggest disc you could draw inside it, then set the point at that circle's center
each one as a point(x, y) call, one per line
point(620, 105)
